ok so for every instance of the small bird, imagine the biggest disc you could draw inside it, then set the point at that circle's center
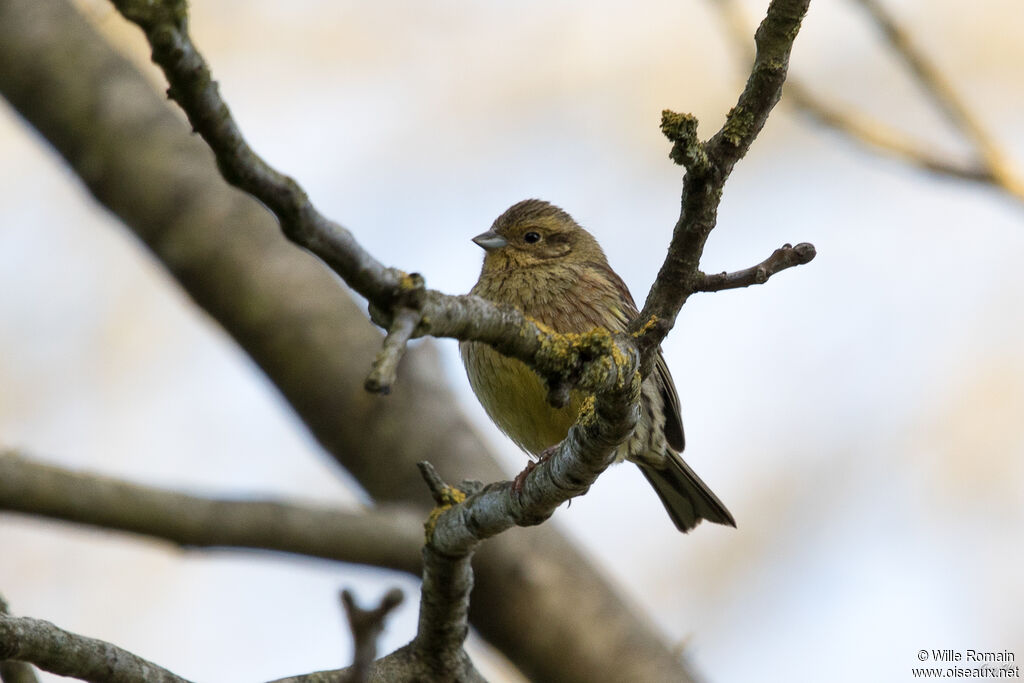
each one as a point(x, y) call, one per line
point(539, 260)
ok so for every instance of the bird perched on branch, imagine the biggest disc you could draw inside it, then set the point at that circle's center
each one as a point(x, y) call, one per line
point(542, 262)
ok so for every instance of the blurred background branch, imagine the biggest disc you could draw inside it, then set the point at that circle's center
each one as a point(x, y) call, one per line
point(991, 164)
point(386, 536)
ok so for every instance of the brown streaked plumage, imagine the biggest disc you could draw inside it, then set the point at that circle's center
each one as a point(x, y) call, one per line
point(543, 263)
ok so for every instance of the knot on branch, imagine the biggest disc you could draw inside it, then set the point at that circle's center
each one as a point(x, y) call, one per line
point(402, 318)
point(590, 361)
point(687, 149)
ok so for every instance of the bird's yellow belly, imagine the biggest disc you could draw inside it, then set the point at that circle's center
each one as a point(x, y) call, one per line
point(516, 400)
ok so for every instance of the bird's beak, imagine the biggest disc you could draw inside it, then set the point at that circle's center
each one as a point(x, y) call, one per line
point(490, 240)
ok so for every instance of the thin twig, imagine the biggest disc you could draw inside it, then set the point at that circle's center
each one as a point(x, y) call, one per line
point(385, 365)
point(782, 258)
point(366, 626)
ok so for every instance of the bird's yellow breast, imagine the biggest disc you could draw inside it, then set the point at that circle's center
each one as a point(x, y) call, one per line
point(516, 400)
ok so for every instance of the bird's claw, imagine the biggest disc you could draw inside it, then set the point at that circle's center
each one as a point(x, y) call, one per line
point(520, 481)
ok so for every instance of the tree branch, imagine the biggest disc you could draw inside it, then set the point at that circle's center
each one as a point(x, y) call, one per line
point(991, 167)
point(366, 626)
point(947, 100)
point(388, 538)
point(574, 465)
point(782, 258)
point(435, 654)
point(680, 275)
point(398, 296)
point(12, 671)
point(67, 654)
point(385, 365)
point(311, 339)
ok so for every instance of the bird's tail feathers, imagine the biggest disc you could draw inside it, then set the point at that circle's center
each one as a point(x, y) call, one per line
point(686, 498)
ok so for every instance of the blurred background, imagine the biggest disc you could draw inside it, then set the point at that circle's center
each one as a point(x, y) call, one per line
point(862, 416)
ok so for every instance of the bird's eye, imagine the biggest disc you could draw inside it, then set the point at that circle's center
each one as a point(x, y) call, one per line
point(531, 237)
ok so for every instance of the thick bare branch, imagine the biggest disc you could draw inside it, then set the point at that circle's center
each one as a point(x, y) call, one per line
point(67, 654)
point(383, 537)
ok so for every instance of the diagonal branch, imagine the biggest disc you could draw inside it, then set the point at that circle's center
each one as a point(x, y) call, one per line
point(67, 654)
point(992, 167)
point(399, 296)
point(947, 100)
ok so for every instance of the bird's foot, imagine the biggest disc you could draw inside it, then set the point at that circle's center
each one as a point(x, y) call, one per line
point(520, 480)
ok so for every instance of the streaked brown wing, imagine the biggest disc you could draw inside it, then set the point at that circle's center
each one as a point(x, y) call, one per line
point(666, 387)
point(673, 419)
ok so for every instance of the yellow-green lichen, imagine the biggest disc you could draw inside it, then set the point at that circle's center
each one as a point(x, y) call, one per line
point(450, 497)
point(408, 282)
point(648, 326)
point(588, 412)
point(561, 353)
point(738, 125)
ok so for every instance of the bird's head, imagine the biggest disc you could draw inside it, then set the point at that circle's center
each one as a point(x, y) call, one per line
point(536, 233)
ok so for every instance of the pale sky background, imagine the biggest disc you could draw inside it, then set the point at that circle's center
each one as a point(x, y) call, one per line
point(862, 416)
